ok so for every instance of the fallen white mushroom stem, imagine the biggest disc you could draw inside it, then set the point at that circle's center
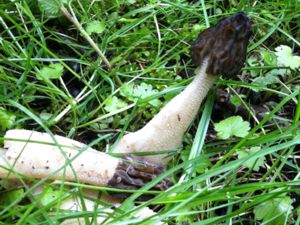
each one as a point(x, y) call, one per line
point(90, 205)
point(36, 160)
point(165, 131)
point(35, 155)
point(27, 154)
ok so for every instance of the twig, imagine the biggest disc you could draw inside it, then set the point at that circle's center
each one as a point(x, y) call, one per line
point(74, 20)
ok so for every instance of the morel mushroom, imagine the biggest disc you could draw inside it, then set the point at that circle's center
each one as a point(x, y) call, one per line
point(219, 50)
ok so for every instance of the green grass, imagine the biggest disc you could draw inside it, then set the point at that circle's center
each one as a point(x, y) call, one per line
point(148, 42)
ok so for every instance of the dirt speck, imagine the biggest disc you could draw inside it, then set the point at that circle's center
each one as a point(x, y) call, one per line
point(106, 174)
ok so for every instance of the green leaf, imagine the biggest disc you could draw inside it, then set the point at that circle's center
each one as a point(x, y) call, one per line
point(95, 27)
point(237, 100)
point(279, 72)
point(197, 27)
point(185, 218)
point(263, 81)
point(51, 7)
point(49, 196)
point(269, 58)
point(46, 116)
point(8, 197)
point(253, 61)
point(232, 126)
point(251, 163)
point(53, 71)
point(133, 92)
point(113, 104)
point(285, 57)
point(201, 165)
point(127, 91)
point(274, 211)
point(7, 119)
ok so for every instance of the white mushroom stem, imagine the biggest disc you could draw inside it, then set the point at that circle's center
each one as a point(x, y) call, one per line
point(73, 161)
point(76, 204)
point(165, 131)
point(22, 155)
point(69, 160)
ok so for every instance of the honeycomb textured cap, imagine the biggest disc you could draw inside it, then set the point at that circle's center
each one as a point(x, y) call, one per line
point(224, 45)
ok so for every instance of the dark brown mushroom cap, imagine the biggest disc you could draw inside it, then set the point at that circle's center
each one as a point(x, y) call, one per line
point(133, 173)
point(224, 45)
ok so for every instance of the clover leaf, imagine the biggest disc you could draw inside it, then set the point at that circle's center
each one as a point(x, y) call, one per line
point(53, 71)
point(232, 126)
point(254, 163)
point(285, 57)
point(50, 196)
point(51, 7)
point(11, 196)
point(95, 27)
point(113, 104)
point(274, 211)
point(133, 92)
point(269, 58)
point(237, 100)
point(7, 119)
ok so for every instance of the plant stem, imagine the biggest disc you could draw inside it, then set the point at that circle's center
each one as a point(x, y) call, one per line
point(74, 20)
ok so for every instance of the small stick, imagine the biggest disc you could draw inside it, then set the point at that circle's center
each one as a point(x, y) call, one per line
point(74, 20)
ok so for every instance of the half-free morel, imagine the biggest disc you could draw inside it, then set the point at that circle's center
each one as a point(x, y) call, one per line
point(219, 50)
